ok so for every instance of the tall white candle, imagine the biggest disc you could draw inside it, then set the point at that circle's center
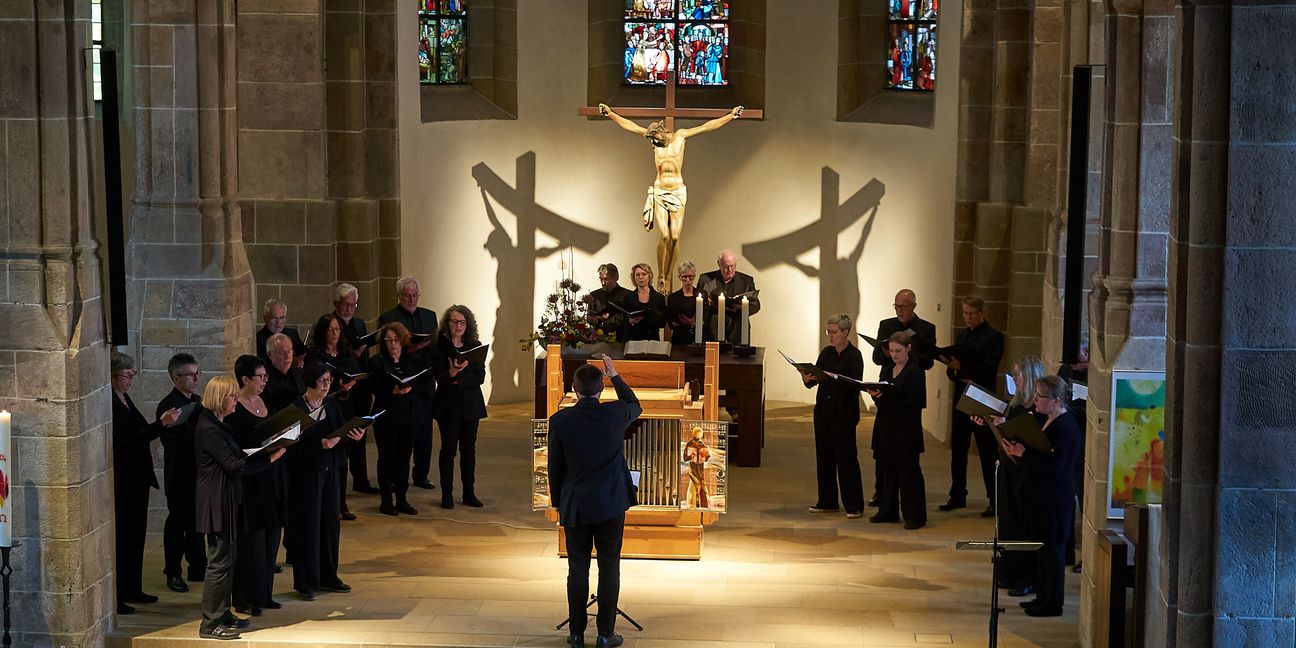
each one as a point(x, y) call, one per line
point(6, 480)
point(697, 321)
point(720, 320)
point(746, 322)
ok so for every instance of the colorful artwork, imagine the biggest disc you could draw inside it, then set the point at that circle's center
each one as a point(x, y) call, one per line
point(911, 44)
point(650, 52)
point(443, 41)
point(703, 10)
point(649, 9)
point(690, 37)
point(1137, 438)
point(703, 466)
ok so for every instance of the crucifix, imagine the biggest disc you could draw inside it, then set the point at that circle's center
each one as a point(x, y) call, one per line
point(667, 197)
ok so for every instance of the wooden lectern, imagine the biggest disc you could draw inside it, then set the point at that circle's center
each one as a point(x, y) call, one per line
point(659, 527)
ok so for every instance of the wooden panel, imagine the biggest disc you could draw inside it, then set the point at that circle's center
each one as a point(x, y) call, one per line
point(1109, 591)
point(647, 373)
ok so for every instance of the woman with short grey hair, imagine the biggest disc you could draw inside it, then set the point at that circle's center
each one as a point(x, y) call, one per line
point(681, 307)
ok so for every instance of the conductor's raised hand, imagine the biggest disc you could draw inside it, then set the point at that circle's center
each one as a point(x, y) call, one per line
point(608, 369)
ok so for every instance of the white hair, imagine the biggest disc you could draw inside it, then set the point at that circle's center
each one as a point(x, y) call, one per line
point(404, 282)
point(726, 253)
point(344, 290)
point(272, 303)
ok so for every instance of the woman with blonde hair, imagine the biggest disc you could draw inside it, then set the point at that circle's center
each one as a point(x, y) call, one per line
point(648, 305)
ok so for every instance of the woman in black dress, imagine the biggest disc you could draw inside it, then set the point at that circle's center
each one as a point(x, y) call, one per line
point(647, 324)
point(330, 347)
point(681, 308)
point(404, 406)
point(459, 403)
point(1049, 488)
point(313, 470)
point(133, 476)
point(222, 465)
point(261, 517)
point(836, 414)
point(898, 436)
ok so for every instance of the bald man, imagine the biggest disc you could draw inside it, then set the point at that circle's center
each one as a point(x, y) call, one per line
point(726, 279)
point(906, 319)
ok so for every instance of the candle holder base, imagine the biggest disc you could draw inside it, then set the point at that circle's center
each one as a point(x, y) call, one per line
point(744, 351)
point(6, 570)
point(725, 347)
point(696, 349)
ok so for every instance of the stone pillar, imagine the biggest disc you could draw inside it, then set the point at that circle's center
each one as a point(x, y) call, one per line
point(53, 362)
point(190, 287)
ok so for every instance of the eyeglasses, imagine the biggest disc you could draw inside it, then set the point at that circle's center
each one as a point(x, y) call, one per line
point(688, 276)
point(260, 376)
point(411, 295)
point(191, 374)
point(390, 340)
point(125, 374)
point(457, 322)
point(343, 304)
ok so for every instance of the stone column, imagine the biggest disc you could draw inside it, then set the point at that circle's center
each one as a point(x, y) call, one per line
point(53, 362)
point(190, 287)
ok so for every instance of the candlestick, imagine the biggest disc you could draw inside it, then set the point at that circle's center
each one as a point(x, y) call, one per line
point(697, 321)
point(746, 322)
point(720, 320)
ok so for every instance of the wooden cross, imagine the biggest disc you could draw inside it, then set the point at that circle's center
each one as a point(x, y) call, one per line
point(671, 111)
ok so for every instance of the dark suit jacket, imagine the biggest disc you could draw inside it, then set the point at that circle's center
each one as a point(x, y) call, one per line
point(132, 437)
point(897, 428)
point(921, 328)
point(221, 466)
point(264, 334)
point(989, 344)
point(422, 321)
point(282, 388)
point(408, 410)
point(711, 283)
point(648, 328)
point(354, 330)
point(601, 302)
point(1048, 482)
point(459, 398)
point(178, 467)
point(589, 480)
point(838, 400)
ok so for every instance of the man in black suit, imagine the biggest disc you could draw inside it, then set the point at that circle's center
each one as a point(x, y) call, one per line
point(418, 321)
point(609, 292)
point(906, 302)
point(589, 484)
point(987, 349)
point(275, 316)
point(180, 537)
point(726, 279)
point(345, 301)
point(284, 383)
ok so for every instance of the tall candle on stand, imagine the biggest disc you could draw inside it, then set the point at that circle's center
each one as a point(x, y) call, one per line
point(746, 333)
point(6, 479)
point(720, 320)
point(697, 321)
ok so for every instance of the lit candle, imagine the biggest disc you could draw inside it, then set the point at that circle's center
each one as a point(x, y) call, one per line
point(746, 334)
point(6, 480)
point(720, 320)
point(697, 321)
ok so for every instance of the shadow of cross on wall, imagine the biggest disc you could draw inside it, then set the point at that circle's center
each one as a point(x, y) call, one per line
point(511, 369)
point(838, 275)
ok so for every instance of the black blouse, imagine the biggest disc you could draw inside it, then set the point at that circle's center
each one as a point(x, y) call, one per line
point(648, 328)
point(836, 398)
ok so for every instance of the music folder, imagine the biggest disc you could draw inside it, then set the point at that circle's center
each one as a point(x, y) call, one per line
point(367, 339)
point(880, 385)
point(976, 401)
point(283, 439)
point(346, 374)
point(286, 418)
point(965, 353)
point(806, 367)
point(1025, 428)
point(185, 412)
point(476, 354)
point(628, 313)
point(361, 422)
point(420, 338)
point(408, 380)
point(874, 342)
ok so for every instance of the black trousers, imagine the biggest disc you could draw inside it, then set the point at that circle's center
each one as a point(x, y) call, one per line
point(837, 464)
point(357, 454)
point(903, 489)
point(130, 503)
point(395, 444)
point(422, 452)
point(181, 540)
point(461, 435)
point(254, 569)
point(962, 431)
point(1016, 568)
point(313, 514)
point(606, 537)
point(218, 579)
point(1050, 575)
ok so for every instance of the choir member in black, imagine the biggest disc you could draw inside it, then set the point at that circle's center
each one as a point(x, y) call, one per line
point(898, 436)
point(726, 279)
point(261, 518)
point(1050, 493)
point(283, 381)
point(459, 403)
point(906, 319)
point(330, 347)
point(222, 465)
point(314, 464)
point(836, 413)
point(132, 478)
point(419, 321)
point(345, 301)
point(988, 346)
point(1078, 372)
point(647, 325)
point(180, 539)
point(405, 410)
point(681, 308)
point(609, 292)
point(275, 316)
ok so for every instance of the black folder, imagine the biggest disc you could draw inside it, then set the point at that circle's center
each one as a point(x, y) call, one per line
point(629, 313)
point(367, 339)
point(346, 374)
point(476, 354)
point(1025, 429)
point(976, 401)
point(806, 367)
point(285, 418)
point(361, 422)
point(874, 342)
point(408, 380)
point(283, 439)
point(186, 411)
point(880, 385)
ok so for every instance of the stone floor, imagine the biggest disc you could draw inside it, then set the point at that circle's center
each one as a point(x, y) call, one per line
point(771, 574)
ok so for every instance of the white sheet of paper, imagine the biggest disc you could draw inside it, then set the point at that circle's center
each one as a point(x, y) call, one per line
point(634, 478)
point(1010, 384)
point(1079, 391)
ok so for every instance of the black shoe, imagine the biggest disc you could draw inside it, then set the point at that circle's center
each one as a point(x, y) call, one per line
point(447, 503)
point(366, 489)
point(1024, 590)
point(222, 632)
point(252, 611)
point(1078, 568)
point(306, 596)
point(177, 584)
point(195, 579)
point(989, 512)
point(823, 509)
point(874, 502)
point(425, 484)
point(952, 504)
point(1030, 604)
point(406, 508)
point(235, 622)
point(339, 587)
point(272, 605)
point(348, 516)
point(278, 569)
point(122, 608)
point(915, 525)
point(576, 641)
point(386, 508)
point(879, 518)
point(611, 641)
point(1041, 611)
point(471, 500)
point(140, 597)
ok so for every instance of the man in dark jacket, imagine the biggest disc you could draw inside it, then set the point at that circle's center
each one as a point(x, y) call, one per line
point(179, 474)
point(924, 336)
point(418, 321)
point(733, 284)
point(589, 484)
point(602, 313)
point(980, 364)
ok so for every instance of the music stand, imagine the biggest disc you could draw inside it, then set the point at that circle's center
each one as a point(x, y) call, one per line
point(996, 549)
point(619, 612)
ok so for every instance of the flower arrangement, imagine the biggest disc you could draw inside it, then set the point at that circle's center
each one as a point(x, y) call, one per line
point(566, 320)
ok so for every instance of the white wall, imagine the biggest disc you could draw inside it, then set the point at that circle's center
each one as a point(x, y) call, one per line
point(751, 181)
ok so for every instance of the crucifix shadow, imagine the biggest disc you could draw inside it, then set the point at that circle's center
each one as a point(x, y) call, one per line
point(838, 275)
point(511, 368)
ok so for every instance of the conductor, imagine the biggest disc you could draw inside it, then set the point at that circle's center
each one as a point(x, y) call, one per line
point(589, 484)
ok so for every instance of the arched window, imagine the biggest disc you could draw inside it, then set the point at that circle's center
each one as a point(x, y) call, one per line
point(96, 45)
point(443, 42)
point(911, 44)
point(689, 37)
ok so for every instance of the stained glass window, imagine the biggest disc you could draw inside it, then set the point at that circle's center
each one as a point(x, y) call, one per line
point(911, 44)
point(443, 41)
point(690, 37)
point(96, 43)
